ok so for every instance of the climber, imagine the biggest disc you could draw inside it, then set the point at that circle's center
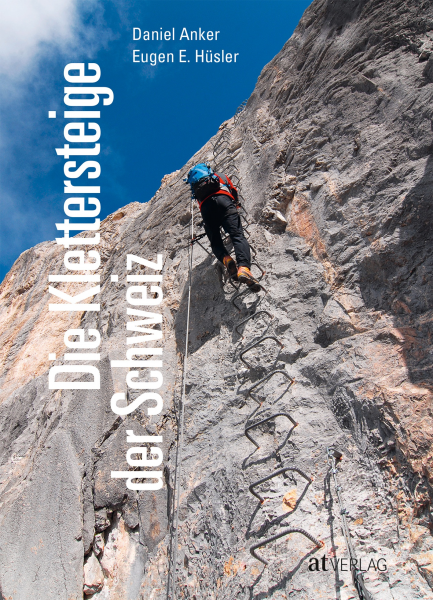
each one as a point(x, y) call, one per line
point(217, 198)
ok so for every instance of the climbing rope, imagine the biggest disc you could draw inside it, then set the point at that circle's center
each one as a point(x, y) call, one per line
point(333, 457)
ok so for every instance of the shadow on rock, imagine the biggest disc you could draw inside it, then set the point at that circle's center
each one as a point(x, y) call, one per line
point(209, 308)
point(396, 277)
point(281, 585)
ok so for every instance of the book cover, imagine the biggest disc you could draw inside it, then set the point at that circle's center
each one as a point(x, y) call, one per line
point(215, 312)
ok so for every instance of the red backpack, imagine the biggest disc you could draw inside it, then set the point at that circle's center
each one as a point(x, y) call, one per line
point(205, 183)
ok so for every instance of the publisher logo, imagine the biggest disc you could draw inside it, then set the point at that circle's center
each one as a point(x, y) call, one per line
point(347, 564)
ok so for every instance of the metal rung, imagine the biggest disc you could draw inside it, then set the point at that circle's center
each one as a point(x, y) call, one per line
point(205, 249)
point(231, 280)
point(262, 271)
point(245, 221)
point(220, 146)
point(266, 337)
point(239, 110)
point(248, 289)
point(280, 414)
point(221, 150)
point(216, 154)
point(241, 106)
point(245, 292)
point(197, 237)
point(275, 474)
point(268, 376)
point(222, 141)
point(252, 317)
point(232, 166)
point(253, 549)
point(223, 134)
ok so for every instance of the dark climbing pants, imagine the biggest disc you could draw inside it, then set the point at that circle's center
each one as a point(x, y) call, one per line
point(219, 211)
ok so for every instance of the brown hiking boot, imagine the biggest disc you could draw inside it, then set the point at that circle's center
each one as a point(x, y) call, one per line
point(231, 267)
point(245, 276)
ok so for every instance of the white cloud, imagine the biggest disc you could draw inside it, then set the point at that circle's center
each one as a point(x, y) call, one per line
point(26, 24)
point(33, 35)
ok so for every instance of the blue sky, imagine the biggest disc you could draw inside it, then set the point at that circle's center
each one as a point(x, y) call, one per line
point(161, 115)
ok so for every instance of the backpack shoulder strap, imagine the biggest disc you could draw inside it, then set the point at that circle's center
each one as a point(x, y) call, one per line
point(224, 179)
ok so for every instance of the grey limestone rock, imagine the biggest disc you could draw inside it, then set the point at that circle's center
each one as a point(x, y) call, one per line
point(93, 576)
point(334, 157)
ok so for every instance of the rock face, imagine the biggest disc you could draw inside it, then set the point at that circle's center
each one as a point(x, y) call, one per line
point(93, 576)
point(334, 157)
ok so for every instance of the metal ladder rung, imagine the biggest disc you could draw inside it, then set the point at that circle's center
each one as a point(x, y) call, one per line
point(252, 317)
point(264, 379)
point(260, 341)
point(275, 474)
point(245, 292)
point(318, 543)
point(254, 425)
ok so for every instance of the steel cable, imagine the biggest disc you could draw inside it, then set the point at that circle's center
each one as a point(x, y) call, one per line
point(358, 578)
